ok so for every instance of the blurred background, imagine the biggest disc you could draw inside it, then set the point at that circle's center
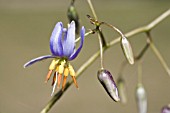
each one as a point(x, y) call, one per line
point(25, 29)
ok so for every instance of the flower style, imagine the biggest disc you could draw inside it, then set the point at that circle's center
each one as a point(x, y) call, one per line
point(62, 46)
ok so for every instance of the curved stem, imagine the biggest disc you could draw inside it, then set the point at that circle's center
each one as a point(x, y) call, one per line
point(86, 34)
point(101, 50)
point(92, 9)
point(96, 55)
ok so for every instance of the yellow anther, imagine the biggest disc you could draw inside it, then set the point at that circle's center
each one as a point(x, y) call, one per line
point(53, 64)
point(57, 68)
point(61, 67)
point(71, 70)
point(66, 72)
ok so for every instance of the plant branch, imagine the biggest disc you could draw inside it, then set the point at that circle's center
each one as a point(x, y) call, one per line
point(136, 31)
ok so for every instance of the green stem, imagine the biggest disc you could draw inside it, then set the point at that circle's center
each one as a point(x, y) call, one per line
point(96, 55)
point(159, 56)
point(86, 34)
point(139, 72)
point(101, 50)
point(92, 9)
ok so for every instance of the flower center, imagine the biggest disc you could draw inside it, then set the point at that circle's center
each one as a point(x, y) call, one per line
point(60, 67)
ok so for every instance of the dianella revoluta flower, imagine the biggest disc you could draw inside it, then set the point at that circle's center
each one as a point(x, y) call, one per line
point(62, 46)
point(141, 99)
point(166, 109)
point(106, 79)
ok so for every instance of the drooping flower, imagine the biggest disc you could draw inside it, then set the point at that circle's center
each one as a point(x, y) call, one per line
point(107, 81)
point(62, 46)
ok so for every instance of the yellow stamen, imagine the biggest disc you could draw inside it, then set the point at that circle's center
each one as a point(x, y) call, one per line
point(66, 71)
point(48, 75)
point(54, 85)
point(64, 82)
point(54, 79)
point(75, 82)
point(71, 70)
point(53, 64)
point(61, 67)
point(51, 68)
point(59, 80)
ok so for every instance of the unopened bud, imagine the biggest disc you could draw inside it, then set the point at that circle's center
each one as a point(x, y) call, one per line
point(108, 83)
point(127, 50)
point(122, 90)
point(141, 99)
point(166, 109)
point(73, 15)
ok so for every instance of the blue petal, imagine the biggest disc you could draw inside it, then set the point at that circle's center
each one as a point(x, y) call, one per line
point(69, 41)
point(74, 55)
point(56, 40)
point(37, 60)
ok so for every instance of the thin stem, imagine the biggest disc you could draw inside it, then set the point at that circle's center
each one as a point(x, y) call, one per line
point(96, 55)
point(86, 34)
point(139, 73)
point(122, 67)
point(159, 56)
point(92, 9)
point(146, 28)
point(142, 52)
point(101, 50)
point(115, 28)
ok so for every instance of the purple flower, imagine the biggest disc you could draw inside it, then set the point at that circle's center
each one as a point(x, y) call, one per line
point(108, 83)
point(62, 46)
point(166, 109)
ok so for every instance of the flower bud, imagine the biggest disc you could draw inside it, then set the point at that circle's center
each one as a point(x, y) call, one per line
point(108, 83)
point(166, 109)
point(73, 15)
point(141, 99)
point(122, 90)
point(127, 50)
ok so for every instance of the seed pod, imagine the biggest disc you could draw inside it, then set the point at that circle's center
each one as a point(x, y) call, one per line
point(127, 50)
point(166, 109)
point(122, 90)
point(141, 99)
point(108, 83)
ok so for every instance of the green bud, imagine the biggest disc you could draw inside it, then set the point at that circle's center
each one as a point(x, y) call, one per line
point(73, 15)
point(141, 99)
point(127, 50)
point(122, 90)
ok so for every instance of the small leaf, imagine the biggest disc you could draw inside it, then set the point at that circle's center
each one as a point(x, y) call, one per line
point(127, 50)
